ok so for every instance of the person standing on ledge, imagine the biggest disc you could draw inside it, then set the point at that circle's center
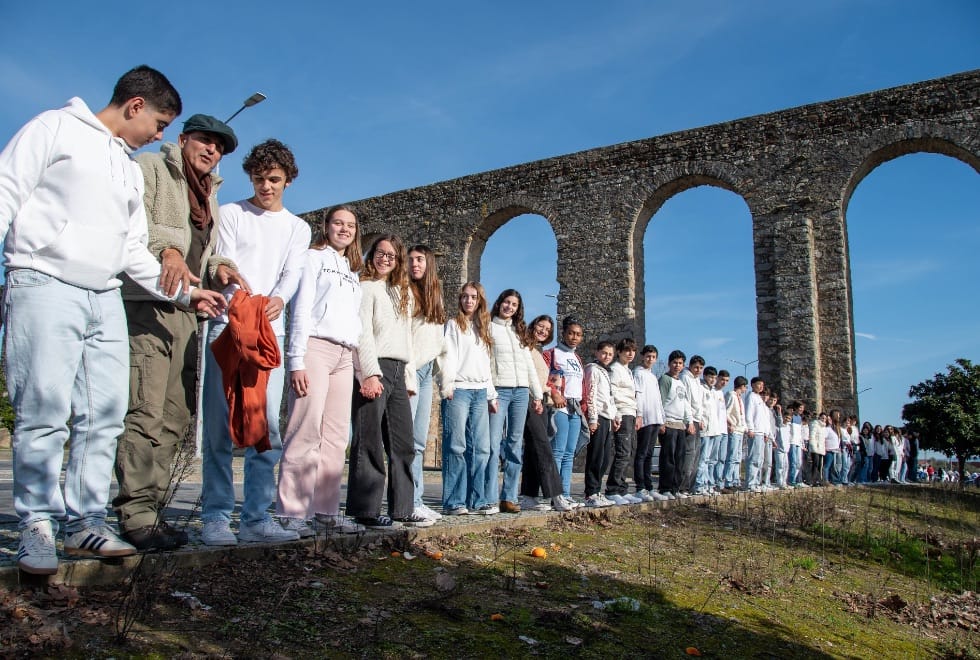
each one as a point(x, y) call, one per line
point(72, 218)
point(181, 201)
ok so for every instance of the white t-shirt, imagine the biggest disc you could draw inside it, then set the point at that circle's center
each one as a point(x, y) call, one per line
point(269, 248)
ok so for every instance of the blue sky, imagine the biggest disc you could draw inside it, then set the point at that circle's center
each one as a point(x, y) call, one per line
point(386, 96)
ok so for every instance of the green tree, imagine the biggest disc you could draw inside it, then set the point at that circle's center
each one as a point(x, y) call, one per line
point(945, 410)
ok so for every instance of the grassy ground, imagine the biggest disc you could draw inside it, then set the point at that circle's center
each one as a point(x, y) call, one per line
point(858, 573)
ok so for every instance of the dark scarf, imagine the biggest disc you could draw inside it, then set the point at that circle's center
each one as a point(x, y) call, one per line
point(198, 192)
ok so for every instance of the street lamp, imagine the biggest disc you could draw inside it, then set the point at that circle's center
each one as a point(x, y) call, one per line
point(863, 391)
point(745, 365)
point(254, 99)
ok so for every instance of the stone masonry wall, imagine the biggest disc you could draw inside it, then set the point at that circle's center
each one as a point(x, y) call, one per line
point(795, 169)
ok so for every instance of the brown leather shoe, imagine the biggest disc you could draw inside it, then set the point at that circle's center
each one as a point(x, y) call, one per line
point(509, 507)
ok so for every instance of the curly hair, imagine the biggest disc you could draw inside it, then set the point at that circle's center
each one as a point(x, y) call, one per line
point(268, 155)
point(517, 320)
point(398, 277)
point(428, 290)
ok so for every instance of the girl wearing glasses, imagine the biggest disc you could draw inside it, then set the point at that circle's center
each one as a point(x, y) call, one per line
point(381, 415)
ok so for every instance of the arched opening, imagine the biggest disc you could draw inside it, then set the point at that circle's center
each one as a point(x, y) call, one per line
point(520, 253)
point(698, 277)
point(913, 234)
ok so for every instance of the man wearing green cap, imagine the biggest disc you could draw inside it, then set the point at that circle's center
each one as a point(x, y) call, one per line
point(181, 208)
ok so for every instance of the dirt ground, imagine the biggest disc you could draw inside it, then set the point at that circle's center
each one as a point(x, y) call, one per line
point(859, 572)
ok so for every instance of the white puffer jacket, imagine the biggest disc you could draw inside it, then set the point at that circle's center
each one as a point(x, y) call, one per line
point(512, 364)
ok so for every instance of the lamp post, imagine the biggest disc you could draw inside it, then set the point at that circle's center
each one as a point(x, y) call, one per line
point(254, 99)
point(745, 365)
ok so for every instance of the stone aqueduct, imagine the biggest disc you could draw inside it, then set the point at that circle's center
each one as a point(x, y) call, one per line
point(795, 169)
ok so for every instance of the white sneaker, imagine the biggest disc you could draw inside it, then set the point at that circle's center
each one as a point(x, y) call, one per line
point(420, 512)
point(416, 520)
point(657, 496)
point(633, 499)
point(593, 502)
point(218, 532)
point(265, 531)
point(338, 524)
point(97, 541)
point(36, 553)
point(570, 501)
point(431, 513)
point(645, 495)
point(298, 525)
point(616, 499)
point(558, 503)
point(534, 504)
point(669, 496)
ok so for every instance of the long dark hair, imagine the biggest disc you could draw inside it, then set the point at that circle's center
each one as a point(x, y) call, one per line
point(428, 290)
point(520, 328)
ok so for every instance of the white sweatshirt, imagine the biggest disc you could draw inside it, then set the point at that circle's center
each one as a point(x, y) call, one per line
point(269, 248)
point(465, 365)
point(735, 405)
point(649, 406)
point(327, 305)
point(696, 394)
point(71, 203)
point(623, 388)
point(385, 333)
point(511, 364)
point(715, 413)
point(758, 419)
point(598, 394)
point(677, 405)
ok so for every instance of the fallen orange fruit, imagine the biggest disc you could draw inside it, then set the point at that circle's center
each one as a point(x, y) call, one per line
point(497, 617)
point(691, 650)
point(435, 554)
point(539, 552)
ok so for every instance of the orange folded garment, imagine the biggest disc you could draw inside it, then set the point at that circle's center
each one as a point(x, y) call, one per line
point(246, 351)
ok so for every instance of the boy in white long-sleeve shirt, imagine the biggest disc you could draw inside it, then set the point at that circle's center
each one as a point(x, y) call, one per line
point(757, 424)
point(678, 424)
point(71, 219)
point(735, 409)
point(269, 245)
point(710, 434)
point(624, 394)
point(604, 420)
point(697, 395)
point(649, 420)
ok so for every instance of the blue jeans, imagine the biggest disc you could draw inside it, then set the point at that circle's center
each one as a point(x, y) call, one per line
point(465, 449)
point(421, 405)
point(563, 445)
point(794, 465)
point(753, 470)
point(732, 446)
point(67, 352)
point(706, 463)
point(218, 488)
point(831, 467)
point(512, 408)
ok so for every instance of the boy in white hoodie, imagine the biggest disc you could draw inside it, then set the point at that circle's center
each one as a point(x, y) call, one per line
point(603, 420)
point(72, 216)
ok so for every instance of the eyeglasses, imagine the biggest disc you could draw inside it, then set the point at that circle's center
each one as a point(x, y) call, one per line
point(386, 256)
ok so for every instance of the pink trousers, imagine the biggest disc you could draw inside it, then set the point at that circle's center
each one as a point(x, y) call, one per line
point(317, 433)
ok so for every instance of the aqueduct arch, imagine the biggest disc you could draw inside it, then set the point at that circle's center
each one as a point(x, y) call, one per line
point(795, 169)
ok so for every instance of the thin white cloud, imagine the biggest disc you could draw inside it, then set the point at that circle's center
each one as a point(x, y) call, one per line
point(866, 335)
point(892, 272)
point(711, 343)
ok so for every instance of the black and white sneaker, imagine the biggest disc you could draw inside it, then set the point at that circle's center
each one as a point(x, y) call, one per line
point(36, 554)
point(378, 522)
point(97, 541)
point(415, 520)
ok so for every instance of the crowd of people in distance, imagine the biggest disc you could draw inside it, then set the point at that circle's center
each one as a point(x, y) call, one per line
point(114, 265)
